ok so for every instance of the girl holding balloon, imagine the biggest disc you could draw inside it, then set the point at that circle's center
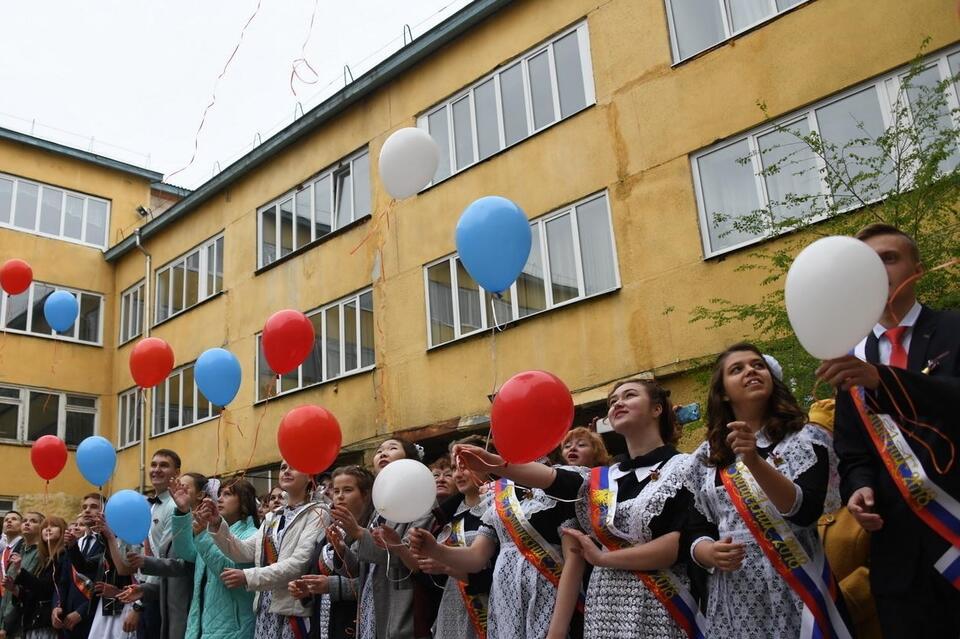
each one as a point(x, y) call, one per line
point(279, 551)
point(383, 563)
point(762, 474)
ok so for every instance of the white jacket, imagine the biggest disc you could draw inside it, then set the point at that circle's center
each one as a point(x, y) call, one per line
point(299, 537)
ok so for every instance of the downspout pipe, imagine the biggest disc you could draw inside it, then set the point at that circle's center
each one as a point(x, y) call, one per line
point(148, 263)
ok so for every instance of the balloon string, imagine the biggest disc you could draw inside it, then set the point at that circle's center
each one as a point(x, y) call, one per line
point(216, 463)
point(302, 60)
point(914, 278)
point(382, 216)
point(271, 392)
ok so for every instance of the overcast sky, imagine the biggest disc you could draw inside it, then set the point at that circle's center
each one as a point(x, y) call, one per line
point(136, 75)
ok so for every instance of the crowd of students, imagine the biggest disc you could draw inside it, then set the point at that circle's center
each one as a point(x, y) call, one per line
point(722, 542)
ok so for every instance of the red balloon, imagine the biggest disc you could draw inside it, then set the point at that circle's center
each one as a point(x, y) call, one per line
point(309, 439)
point(287, 340)
point(531, 414)
point(15, 276)
point(48, 456)
point(151, 362)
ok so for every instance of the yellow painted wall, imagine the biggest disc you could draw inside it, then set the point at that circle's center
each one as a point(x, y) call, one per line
point(635, 143)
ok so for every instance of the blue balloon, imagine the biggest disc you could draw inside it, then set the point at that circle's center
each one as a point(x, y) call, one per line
point(96, 459)
point(128, 515)
point(493, 239)
point(61, 310)
point(217, 373)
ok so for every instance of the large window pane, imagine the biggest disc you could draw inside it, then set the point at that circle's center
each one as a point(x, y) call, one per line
point(312, 368)
point(188, 408)
point(192, 295)
point(499, 309)
point(89, 320)
point(440, 291)
point(6, 200)
point(9, 420)
point(323, 206)
point(343, 195)
point(596, 247)
point(176, 285)
point(73, 219)
point(922, 95)
point(51, 207)
point(485, 106)
point(361, 186)
point(350, 336)
point(38, 322)
point(16, 315)
point(268, 239)
point(729, 192)
point(850, 125)
point(25, 213)
point(463, 132)
point(531, 295)
point(174, 388)
point(287, 239)
point(203, 406)
point(439, 131)
point(746, 13)
point(367, 354)
point(290, 381)
point(79, 426)
point(160, 408)
point(798, 173)
point(697, 25)
point(468, 297)
point(563, 267)
point(96, 222)
point(566, 57)
point(163, 295)
point(333, 341)
point(266, 378)
point(514, 104)
point(304, 224)
point(42, 415)
point(541, 90)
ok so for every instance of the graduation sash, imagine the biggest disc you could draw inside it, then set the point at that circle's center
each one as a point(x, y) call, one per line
point(531, 543)
point(270, 555)
point(83, 585)
point(933, 505)
point(809, 579)
point(475, 605)
point(669, 592)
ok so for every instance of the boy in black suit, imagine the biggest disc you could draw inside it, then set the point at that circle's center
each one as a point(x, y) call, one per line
point(909, 368)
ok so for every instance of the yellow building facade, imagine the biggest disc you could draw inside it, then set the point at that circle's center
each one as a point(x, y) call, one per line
point(615, 127)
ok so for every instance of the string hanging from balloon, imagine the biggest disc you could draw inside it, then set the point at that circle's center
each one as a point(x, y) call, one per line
point(302, 60)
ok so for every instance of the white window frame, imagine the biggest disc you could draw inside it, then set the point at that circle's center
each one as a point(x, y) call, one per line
point(346, 163)
point(131, 400)
point(727, 20)
point(23, 410)
point(131, 313)
point(589, 94)
point(63, 337)
point(17, 181)
point(325, 376)
point(203, 292)
point(888, 89)
point(539, 228)
point(177, 373)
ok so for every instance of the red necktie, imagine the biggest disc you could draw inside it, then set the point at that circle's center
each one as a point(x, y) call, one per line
point(898, 354)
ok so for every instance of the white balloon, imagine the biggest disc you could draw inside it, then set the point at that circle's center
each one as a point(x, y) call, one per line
point(835, 293)
point(404, 491)
point(408, 161)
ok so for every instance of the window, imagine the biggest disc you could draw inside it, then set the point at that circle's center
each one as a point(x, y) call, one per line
point(130, 417)
point(573, 257)
point(731, 184)
point(131, 311)
point(542, 87)
point(178, 403)
point(336, 197)
point(23, 313)
point(189, 279)
point(696, 25)
point(343, 346)
point(7, 504)
point(26, 414)
point(49, 211)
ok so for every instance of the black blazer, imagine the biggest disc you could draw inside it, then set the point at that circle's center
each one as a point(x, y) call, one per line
point(70, 598)
point(904, 550)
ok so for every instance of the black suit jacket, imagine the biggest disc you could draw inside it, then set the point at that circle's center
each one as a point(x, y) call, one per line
point(904, 550)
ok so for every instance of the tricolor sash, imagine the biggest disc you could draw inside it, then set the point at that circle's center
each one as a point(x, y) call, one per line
point(669, 592)
point(270, 555)
point(811, 580)
point(933, 505)
point(83, 585)
point(475, 605)
point(531, 543)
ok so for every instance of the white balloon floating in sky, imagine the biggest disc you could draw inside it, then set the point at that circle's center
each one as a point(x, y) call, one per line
point(835, 293)
point(408, 161)
point(404, 491)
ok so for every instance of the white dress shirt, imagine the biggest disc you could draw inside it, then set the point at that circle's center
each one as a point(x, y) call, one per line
point(909, 320)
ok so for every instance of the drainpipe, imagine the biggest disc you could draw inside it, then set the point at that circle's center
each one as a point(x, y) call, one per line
point(146, 333)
